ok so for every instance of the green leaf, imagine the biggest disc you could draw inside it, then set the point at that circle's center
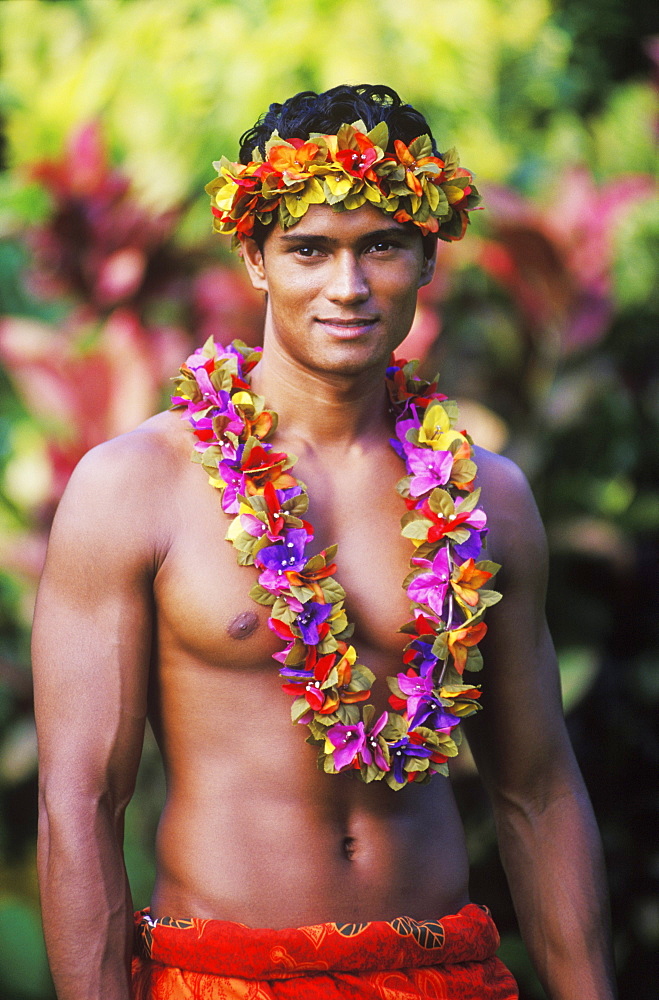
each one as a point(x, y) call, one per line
point(283, 611)
point(403, 486)
point(412, 576)
point(379, 135)
point(469, 502)
point(440, 769)
point(395, 728)
point(474, 659)
point(458, 535)
point(451, 161)
point(296, 655)
point(258, 503)
point(346, 135)
point(421, 147)
point(348, 714)
point(328, 765)
point(367, 714)
point(303, 594)
point(296, 505)
point(391, 781)
point(261, 595)
point(416, 764)
point(330, 552)
point(316, 730)
point(488, 566)
point(328, 645)
point(332, 590)
point(244, 541)
point(488, 598)
point(417, 529)
point(394, 686)
point(440, 502)
point(362, 678)
point(299, 707)
point(464, 470)
point(440, 646)
point(412, 515)
point(330, 197)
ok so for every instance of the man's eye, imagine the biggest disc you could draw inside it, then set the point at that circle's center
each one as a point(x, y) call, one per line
point(382, 246)
point(306, 251)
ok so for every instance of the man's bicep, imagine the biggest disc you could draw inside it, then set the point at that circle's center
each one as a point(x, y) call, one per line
point(92, 634)
point(519, 739)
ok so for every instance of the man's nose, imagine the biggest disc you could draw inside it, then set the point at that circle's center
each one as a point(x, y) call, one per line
point(347, 281)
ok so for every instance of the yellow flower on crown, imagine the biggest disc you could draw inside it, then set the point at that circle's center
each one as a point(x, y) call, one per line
point(346, 171)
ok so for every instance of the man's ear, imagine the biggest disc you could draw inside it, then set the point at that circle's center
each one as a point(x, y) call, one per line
point(428, 267)
point(253, 258)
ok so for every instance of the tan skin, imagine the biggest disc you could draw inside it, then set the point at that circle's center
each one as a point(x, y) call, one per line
point(143, 609)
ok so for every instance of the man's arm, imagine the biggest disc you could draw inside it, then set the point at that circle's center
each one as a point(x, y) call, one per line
point(91, 647)
point(548, 838)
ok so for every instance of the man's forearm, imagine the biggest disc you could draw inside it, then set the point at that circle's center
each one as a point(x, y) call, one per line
point(86, 904)
point(553, 860)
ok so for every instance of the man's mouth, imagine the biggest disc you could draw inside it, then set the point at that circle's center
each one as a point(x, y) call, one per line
point(353, 326)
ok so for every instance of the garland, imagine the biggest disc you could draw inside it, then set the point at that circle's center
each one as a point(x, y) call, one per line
point(320, 669)
point(346, 170)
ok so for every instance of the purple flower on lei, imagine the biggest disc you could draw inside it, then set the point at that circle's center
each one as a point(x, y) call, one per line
point(476, 526)
point(430, 588)
point(400, 751)
point(400, 444)
point(423, 654)
point(348, 742)
point(416, 688)
point(277, 560)
point(235, 485)
point(432, 714)
point(372, 750)
point(428, 469)
point(310, 617)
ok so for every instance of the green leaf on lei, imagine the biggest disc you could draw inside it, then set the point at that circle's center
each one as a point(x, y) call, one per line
point(261, 595)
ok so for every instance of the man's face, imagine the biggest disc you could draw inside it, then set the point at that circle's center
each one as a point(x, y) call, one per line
point(342, 287)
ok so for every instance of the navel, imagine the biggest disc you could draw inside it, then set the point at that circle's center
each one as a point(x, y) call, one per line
point(349, 846)
point(243, 625)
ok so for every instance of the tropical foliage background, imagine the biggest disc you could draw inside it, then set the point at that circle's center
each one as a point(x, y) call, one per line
point(544, 324)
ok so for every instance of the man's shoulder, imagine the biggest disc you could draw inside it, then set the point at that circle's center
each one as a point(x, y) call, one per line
point(498, 472)
point(149, 453)
point(508, 500)
point(120, 489)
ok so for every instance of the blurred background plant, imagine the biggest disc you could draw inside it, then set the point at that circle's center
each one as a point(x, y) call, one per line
point(543, 323)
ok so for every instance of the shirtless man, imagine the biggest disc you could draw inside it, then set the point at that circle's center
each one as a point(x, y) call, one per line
point(144, 609)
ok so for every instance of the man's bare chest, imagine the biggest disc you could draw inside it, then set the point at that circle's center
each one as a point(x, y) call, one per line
point(202, 595)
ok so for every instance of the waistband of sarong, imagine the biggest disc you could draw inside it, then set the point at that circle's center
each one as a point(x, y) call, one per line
point(225, 948)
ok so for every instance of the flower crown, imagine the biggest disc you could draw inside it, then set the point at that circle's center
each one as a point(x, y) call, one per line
point(346, 171)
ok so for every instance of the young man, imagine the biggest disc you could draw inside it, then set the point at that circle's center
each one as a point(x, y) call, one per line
point(162, 593)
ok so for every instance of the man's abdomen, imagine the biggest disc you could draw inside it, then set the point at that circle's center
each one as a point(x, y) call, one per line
point(313, 849)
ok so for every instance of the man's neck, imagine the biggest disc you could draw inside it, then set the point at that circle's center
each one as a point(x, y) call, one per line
point(322, 410)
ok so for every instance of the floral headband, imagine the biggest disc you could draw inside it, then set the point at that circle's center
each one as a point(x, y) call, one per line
point(346, 171)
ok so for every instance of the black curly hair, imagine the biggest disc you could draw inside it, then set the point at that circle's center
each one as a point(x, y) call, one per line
point(309, 112)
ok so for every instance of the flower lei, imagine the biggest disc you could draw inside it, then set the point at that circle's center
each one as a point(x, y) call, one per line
point(345, 170)
point(319, 667)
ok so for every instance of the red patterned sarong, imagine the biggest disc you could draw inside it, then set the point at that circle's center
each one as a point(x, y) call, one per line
point(449, 959)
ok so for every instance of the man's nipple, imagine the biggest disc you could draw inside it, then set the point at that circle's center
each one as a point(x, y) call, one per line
point(242, 626)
